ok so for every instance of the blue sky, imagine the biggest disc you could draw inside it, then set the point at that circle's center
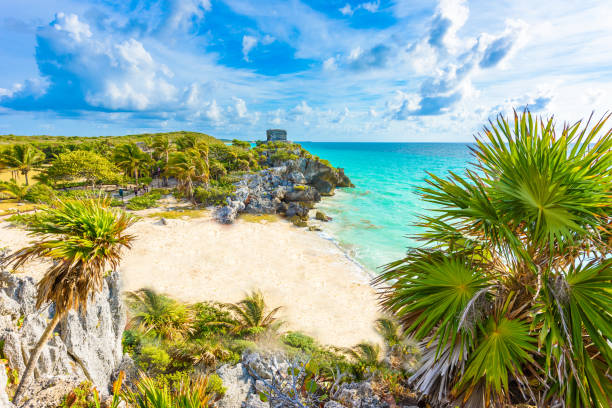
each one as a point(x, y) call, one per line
point(325, 70)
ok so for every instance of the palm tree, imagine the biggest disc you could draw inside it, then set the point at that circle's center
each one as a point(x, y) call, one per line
point(82, 238)
point(251, 315)
point(511, 292)
point(163, 146)
point(200, 353)
point(130, 159)
point(14, 190)
point(188, 167)
point(23, 158)
point(159, 315)
point(368, 358)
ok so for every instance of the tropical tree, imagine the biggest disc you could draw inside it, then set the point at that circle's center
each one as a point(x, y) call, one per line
point(159, 315)
point(203, 353)
point(511, 291)
point(163, 146)
point(251, 315)
point(368, 358)
point(82, 164)
point(23, 158)
point(130, 159)
point(188, 167)
point(81, 238)
point(12, 189)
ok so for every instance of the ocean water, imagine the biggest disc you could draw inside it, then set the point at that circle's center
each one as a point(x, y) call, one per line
point(373, 221)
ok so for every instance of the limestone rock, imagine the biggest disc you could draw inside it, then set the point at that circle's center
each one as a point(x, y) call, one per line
point(85, 346)
point(307, 194)
point(333, 404)
point(359, 395)
point(239, 384)
point(320, 215)
point(49, 392)
point(296, 209)
point(4, 400)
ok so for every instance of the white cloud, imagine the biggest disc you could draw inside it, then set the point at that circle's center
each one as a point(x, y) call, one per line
point(371, 6)
point(248, 43)
point(346, 10)
point(70, 24)
point(241, 108)
point(267, 39)
point(214, 112)
point(330, 64)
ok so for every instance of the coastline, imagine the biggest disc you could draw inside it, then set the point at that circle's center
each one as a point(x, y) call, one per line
point(316, 282)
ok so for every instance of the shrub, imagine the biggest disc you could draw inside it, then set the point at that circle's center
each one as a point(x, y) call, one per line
point(215, 386)
point(300, 341)
point(40, 193)
point(148, 200)
point(207, 313)
point(214, 195)
point(242, 165)
point(216, 170)
point(153, 359)
point(241, 143)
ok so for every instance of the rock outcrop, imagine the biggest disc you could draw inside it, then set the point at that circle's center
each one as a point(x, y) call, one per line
point(85, 346)
point(290, 188)
point(244, 383)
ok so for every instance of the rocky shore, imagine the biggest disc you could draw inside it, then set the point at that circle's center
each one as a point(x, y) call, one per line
point(291, 188)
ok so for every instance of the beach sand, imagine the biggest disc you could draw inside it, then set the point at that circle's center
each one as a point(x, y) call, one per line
point(323, 293)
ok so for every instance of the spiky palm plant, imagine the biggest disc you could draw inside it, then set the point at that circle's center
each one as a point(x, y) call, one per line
point(14, 190)
point(251, 316)
point(201, 353)
point(511, 292)
point(159, 315)
point(131, 159)
point(82, 238)
point(367, 357)
point(147, 393)
point(23, 158)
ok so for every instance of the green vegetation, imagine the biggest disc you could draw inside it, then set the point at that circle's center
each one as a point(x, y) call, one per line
point(81, 165)
point(144, 201)
point(171, 341)
point(22, 158)
point(511, 292)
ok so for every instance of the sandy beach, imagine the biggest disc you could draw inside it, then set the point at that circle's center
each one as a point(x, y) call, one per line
point(323, 293)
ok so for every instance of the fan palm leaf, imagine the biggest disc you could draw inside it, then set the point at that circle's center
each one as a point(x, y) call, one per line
point(515, 258)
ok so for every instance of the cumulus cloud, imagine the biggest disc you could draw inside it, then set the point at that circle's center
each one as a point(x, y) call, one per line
point(371, 6)
point(248, 43)
point(241, 108)
point(87, 72)
point(214, 112)
point(183, 12)
point(500, 48)
point(451, 15)
point(330, 64)
point(537, 102)
point(449, 62)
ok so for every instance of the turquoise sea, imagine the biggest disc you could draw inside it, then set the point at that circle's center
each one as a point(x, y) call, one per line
point(372, 221)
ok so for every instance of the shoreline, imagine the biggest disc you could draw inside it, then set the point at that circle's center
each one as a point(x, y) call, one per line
point(319, 286)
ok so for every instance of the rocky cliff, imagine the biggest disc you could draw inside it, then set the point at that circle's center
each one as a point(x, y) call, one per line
point(289, 188)
point(85, 346)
